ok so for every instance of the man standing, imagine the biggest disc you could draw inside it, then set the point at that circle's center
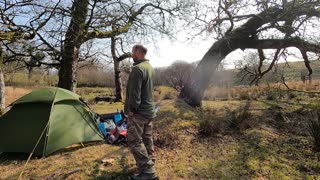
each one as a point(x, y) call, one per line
point(139, 106)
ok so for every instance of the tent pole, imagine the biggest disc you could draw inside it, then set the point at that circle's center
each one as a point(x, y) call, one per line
point(38, 139)
point(32, 151)
point(47, 135)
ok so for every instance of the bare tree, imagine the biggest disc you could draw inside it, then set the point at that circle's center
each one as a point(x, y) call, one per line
point(117, 72)
point(177, 74)
point(256, 25)
point(13, 30)
point(108, 19)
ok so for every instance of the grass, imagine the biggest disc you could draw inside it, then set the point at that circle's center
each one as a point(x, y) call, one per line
point(263, 151)
point(263, 91)
point(12, 94)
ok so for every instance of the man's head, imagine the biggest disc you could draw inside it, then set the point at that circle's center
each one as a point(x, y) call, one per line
point(138, 52)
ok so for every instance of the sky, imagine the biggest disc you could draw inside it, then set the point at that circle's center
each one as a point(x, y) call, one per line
point(165, 52)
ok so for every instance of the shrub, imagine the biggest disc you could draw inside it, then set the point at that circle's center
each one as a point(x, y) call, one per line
point(291, 95)
point(209, 124)
point(165, 139)
point(271, 95)
point(165, 136)
point(239, 119)
point(244, 95)
point(313, 127)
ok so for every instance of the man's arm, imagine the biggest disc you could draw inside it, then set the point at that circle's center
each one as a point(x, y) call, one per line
point(135, 89)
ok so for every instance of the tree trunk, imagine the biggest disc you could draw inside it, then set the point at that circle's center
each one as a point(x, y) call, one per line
point(117, 72)
point(2, 84)
point(193, 91)
point(117, 81)
point(2, 91)
point(71, 49)
point(29, 73)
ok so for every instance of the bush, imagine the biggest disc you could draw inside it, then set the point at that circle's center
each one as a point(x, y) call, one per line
point(244, 95)
point(165, 139)
point(291, 95)
point(239, 119)
point(271, 95)
point(209, 124)
point(165, 135)
point(313, 127)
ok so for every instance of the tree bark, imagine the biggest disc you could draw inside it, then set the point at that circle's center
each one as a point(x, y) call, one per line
point(2, 84)
point(29, 73)
point(71, 50)
point(117, 72)
point(117, 81)
point(193, 91)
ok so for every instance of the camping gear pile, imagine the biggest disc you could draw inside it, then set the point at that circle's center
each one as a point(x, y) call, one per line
point(114, 127)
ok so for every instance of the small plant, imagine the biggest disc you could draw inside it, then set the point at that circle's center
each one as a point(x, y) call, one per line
point(239, 118)
point(209, 124)
point(244, 95)
point(165, 135)
point(291, 95)
point(313, 127)
point(164, 139)
point(271, 95)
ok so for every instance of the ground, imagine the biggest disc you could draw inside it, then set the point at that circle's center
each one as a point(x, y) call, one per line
point(266, 149)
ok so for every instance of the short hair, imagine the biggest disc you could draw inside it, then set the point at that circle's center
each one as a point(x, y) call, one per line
point(140, 48)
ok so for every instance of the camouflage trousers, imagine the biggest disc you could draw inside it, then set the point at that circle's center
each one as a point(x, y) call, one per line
point(140, 142)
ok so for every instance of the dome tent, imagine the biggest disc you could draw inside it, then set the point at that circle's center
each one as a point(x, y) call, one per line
point(47, 119)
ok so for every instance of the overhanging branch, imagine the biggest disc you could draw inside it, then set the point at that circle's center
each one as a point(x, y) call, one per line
point(278, 44)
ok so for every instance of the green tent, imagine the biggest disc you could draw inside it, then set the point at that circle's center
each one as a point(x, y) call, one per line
point(47, 119)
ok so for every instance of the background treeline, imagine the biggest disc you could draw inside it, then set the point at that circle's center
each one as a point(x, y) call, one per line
point(89, 76)
point(174, 75)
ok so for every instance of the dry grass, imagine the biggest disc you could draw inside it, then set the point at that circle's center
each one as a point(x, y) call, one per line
point(165, 93)
point(215, 93)
point(263, 91)
point(12, 94)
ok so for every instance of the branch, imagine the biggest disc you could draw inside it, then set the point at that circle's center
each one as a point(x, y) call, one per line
point(278, 44)
point(48, 44)
point(46, 20)
point(91, 15)
point(306, 61)
point(116, 30)
point(229, 16)
point(261, 59)
point(275, 58)
point(124, 56)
